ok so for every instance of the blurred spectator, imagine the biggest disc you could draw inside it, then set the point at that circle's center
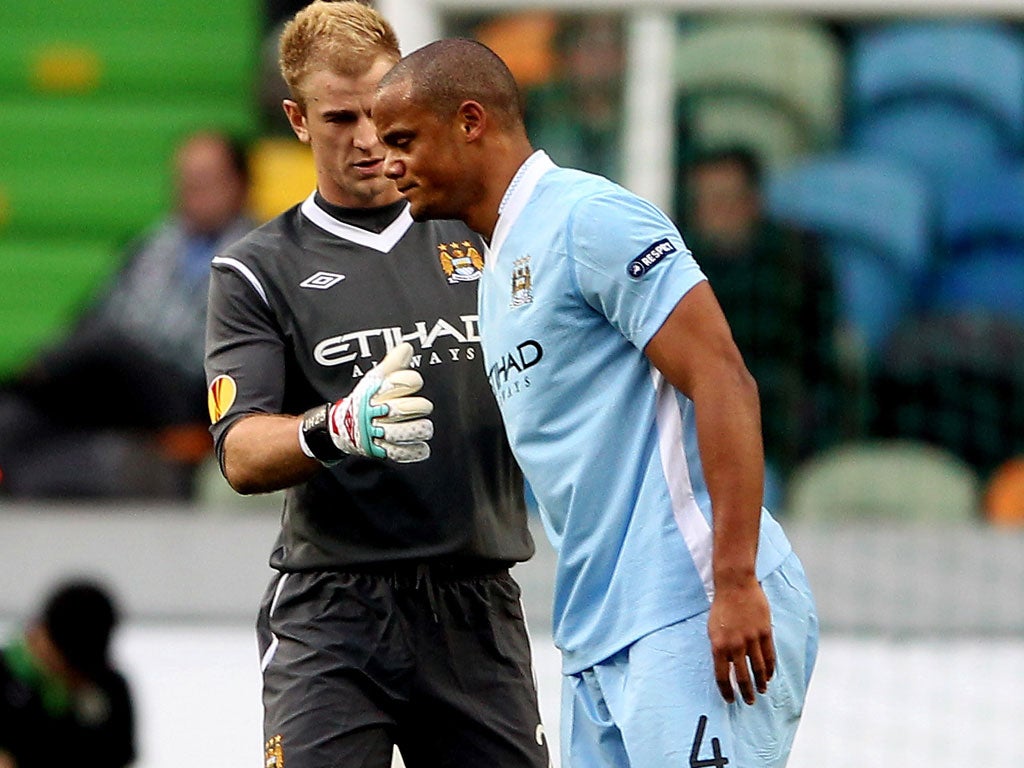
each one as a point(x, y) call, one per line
point(118, 407)
point(955, 381)
point(576, 117)
point(62, 702)
point(776, 289)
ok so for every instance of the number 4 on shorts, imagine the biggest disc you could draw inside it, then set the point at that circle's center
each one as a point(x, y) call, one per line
point(716, 760)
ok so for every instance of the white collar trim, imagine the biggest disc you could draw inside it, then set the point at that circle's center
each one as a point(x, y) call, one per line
point(382, 242)
point(517, 195)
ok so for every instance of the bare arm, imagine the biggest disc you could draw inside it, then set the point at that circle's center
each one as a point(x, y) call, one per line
point(6, 761)
point(695, 352)
point(262, 454)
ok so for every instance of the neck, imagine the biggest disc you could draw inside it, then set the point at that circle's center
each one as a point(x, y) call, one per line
point(506, 163)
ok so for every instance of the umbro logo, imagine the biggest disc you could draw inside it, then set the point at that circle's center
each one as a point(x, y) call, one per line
point(321, 280)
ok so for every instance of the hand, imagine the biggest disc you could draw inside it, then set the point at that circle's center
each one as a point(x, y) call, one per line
point(740, 629)
point(379, 419)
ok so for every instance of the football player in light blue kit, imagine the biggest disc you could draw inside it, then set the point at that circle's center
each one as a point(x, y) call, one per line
point(637, 425)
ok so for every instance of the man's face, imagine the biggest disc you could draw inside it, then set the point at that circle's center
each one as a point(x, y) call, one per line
point(424, 156)
point(336, 123)
point(725, 206)
point(210, 190)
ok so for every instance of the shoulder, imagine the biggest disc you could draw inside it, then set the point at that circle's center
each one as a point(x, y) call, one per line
point(265, 240)
point(608, 212)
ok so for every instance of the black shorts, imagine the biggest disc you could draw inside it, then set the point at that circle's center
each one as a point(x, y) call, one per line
point(435, 660)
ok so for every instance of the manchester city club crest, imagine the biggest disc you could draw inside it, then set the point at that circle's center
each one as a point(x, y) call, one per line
point(274, 757)
point(461, 262)
point(522, 283)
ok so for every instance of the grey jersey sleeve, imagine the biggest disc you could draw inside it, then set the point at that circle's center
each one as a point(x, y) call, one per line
point(245, 351)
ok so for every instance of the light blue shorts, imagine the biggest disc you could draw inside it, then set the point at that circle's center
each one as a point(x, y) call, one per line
point(655, 704)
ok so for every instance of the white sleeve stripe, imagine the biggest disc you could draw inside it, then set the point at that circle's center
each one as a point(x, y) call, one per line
point(689, 519)
point(245, 272)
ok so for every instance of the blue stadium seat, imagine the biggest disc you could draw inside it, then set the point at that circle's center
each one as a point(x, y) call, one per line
point(938, 94)
point(981, 226)
point(990, 281)
point(875, 217)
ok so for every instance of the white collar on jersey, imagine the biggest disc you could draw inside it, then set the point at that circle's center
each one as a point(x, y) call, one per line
point(382, 242)
point(516, 196)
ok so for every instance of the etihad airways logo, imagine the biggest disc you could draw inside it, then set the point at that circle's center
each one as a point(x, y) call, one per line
point(510, 374)
point(372, 344)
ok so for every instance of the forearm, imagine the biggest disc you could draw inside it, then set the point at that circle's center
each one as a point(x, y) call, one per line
point(729, 436)
point(262, 454)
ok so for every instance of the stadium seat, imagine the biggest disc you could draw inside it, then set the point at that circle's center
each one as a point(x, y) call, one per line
point(184, 50)
point(128, 63)
point(981, 250)
point(67, 167)
point(1004, 494)
point(875, 217)
point(282, 175)
point(93, 97)
point(941, 95)
point(525, 41)
point(988, 280)
point(44, 283)
point(774, 85)
point(895, 481)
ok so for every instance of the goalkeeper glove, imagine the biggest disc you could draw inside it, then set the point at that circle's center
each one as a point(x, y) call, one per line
point(377, 419)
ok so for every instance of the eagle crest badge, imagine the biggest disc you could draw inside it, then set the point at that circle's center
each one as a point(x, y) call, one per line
point(461, 262)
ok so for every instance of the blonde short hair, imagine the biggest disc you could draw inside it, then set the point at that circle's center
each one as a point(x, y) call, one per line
point(346, 38)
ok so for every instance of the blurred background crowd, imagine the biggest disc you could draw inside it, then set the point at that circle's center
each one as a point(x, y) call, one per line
point(853, 187)
point(852, 184)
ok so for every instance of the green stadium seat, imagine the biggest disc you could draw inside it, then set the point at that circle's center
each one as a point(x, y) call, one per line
point(94, 96)
point(45, 282)
point(772, 84)
point(72, 168)
point(95, 204)
point(123, 134)
point(884, 480)
point(177, 17)
point(129, 64)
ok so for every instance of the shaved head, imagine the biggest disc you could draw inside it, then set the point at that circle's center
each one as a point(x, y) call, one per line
point(443, 75)
point(450, 118)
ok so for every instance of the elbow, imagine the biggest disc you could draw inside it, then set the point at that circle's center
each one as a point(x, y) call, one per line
point(242, 484)
point(736, 379)
point(748, 385)
point(240, 473)
point(241, 480)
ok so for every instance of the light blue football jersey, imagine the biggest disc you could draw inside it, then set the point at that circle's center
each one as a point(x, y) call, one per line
point(579, 276)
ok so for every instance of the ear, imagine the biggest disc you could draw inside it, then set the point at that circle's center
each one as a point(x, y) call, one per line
point(297, 119)
point(472, 120)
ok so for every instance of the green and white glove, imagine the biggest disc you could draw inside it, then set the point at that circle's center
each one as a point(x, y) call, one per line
point(378, 418)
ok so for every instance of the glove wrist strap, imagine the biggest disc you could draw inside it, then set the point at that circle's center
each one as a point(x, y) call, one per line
point(315, 436)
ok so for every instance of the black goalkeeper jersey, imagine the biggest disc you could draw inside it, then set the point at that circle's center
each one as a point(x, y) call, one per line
point(305, 305)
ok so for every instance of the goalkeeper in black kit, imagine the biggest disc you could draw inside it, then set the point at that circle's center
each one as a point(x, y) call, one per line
point(393, 619)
